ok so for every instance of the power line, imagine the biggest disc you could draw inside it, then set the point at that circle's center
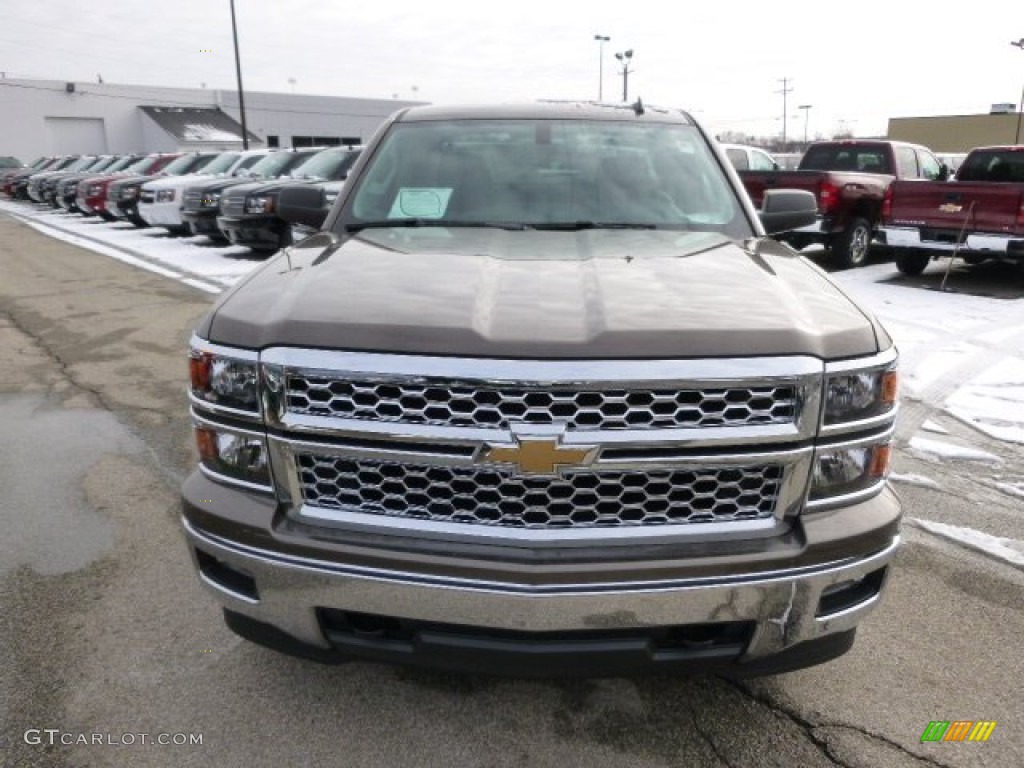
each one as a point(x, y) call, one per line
point(785, 91)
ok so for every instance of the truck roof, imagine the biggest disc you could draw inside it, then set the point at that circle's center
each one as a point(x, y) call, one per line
point(548, 110)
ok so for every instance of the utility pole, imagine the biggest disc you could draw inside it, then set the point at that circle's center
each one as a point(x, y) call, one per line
point(601, 40)
point(238, 71)
point(786, 90)
point(1020, 109)
point(624, 59)
point(807, 110)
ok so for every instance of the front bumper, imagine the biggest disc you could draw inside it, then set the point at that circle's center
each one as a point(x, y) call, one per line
point(203, 223)
point(161, 214)
point(750, 615)
point(945, 242)
point(257, 232)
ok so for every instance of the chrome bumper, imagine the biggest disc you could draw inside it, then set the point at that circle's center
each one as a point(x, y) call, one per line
point(910, 237)
point(783, 604)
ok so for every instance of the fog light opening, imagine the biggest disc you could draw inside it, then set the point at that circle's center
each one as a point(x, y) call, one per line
point(850, 593)
point(227, 578)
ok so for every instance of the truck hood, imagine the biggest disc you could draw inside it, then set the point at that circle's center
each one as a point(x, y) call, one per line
point(612, 294)
point(218, 184)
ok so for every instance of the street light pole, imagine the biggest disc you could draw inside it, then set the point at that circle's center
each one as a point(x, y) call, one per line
point(238, 71)
point(807, 111)
point(601, 40)
point(1020, 109)
point(624, 59)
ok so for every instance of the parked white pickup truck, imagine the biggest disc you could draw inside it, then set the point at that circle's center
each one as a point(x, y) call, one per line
point(160, 200)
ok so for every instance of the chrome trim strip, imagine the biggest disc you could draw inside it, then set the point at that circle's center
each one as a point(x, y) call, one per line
point(218, 477)
point(200, 419)
point(404, 431)
point(877, 437)
point(704, 371)
point(222, 410)
point(845, 427)
point(537, 538)
point(216, 349)
point(881, 360)
point(477, 585)
point(846, 500)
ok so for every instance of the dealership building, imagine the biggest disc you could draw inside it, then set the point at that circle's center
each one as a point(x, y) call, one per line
point(48, 117)
point(960, 133)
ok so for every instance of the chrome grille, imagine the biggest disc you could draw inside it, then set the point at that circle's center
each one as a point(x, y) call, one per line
point(488, 496)
point(192, 200)
point(147, 196)
point(498, 407)
point(233, 205)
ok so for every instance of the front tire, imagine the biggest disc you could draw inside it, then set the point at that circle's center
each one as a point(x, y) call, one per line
point(850, 249)
point(910, 262)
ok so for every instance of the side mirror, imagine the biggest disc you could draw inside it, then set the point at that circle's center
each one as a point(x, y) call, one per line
point(943, 172)
point(786, 209)
point(302, 204)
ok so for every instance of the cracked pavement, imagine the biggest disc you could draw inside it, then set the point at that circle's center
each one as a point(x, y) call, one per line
point(107, 630)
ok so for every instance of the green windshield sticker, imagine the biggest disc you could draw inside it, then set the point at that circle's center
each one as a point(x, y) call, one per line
point(420, 203)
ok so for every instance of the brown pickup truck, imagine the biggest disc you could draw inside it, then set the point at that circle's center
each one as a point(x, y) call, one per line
point(978, 216)
point(542, 399)
point(849, 179)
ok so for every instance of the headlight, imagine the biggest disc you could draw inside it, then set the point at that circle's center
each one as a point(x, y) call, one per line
point(847, 469)
point(237, 456)
point(210, 201)
point(165, 196)
point(855, 395)
point(129, 193)
point(259, 204)
point(225, 381)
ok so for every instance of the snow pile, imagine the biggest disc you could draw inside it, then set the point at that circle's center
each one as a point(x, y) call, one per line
point(931, 426)
point(1008, 550)
point(993, 402)
point(1012, 489)
point(934, 448)
point(918, 480)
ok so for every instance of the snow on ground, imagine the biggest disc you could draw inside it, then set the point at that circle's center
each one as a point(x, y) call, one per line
point(189, 259)
point(1015, 488)
point(1008, 550)
point(910, 479)
point(931, 426)
point(938, 450)
point(993, 401)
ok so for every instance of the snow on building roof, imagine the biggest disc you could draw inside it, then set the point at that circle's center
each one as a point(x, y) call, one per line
point(197, 124)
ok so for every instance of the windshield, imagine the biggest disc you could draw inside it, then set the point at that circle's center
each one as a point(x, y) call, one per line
point(242, 169)
point(220, 163)
point(272, 166)
point(103, 164)
point(123, 163)
point(83, 164)
point(142, 165)
point(329, 165)
point(186, 164)
point(546, 174)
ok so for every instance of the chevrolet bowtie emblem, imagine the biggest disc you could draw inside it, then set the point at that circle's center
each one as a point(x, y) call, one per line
point(951, 208)
point(538, 456)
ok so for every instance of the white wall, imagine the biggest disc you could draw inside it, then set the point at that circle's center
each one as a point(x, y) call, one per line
point(25, 106)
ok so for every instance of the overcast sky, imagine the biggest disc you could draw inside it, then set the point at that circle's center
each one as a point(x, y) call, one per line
point(857, 63)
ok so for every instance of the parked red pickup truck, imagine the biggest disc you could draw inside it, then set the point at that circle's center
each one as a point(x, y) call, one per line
point(849, 179)
point(979, 215)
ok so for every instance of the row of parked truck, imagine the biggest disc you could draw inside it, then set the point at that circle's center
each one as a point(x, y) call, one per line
point(228, 196)
point(905, 197)
point(893, 192)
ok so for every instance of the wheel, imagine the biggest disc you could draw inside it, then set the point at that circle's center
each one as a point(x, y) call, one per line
point(912, 262)
point(850, 248)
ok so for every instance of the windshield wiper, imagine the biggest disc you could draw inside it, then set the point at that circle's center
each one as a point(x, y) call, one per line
point(405, 223)
point(576, 226)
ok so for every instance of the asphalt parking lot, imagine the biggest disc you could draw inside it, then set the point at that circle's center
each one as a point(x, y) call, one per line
point(109, 634)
